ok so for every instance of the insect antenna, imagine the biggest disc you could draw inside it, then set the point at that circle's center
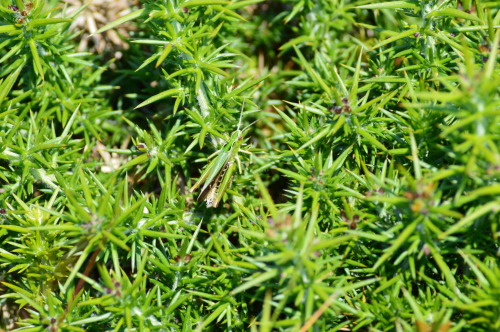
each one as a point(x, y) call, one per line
point(241, 114)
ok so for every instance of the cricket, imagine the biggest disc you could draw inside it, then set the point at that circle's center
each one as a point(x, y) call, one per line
point(216, 178)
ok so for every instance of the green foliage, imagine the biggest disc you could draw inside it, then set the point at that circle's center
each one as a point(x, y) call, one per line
point(344, 155)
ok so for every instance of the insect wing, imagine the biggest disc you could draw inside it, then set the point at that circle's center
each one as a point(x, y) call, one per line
point(210, 192)
point(210, 172)
point(218, 166)
point(225, 183)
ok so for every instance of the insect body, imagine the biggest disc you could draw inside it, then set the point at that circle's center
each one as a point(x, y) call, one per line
point(216, 178)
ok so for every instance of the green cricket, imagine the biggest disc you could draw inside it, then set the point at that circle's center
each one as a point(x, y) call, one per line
point(217, 176)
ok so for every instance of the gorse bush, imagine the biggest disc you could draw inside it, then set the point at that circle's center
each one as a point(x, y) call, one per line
point(250, 165)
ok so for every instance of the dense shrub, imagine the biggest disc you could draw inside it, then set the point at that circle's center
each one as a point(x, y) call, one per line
point(209, 165)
